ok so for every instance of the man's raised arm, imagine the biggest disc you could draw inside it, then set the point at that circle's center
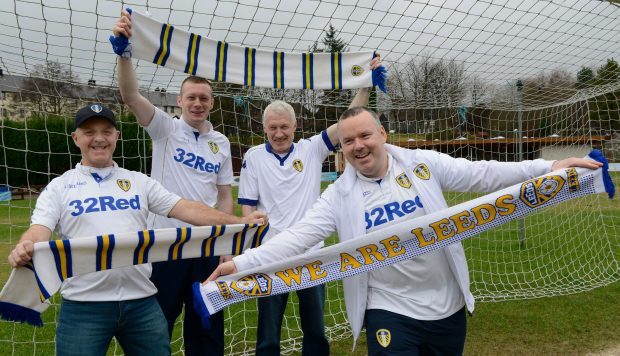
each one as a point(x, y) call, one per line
point(127, 82)
point(361, 99)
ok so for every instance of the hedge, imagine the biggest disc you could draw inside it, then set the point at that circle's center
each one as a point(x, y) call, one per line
point(38, 149)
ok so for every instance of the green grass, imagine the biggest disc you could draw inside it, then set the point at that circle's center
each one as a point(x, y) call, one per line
point(579, 249)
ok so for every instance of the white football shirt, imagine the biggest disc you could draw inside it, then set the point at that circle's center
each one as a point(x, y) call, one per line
point(87, 201)
point(188, 163)
point(284, 186)
point(423, 287)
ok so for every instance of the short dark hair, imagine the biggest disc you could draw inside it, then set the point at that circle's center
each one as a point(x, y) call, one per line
point(356, 110)
point(196, 80)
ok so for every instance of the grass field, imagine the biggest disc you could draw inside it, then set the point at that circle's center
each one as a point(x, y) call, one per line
point(570, 248)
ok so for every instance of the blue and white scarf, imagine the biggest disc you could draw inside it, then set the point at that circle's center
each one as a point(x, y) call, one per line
point(24, 296)
point(402, 241)
point(172, 47)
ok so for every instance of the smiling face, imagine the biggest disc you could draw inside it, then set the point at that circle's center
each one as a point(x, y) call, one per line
point(96, 139)
point(196, 102)
point(362, 141)
point(279, 127)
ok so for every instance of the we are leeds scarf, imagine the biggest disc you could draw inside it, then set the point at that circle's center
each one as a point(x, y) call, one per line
point(172, 47)
point(24, 296)
point(402, 241)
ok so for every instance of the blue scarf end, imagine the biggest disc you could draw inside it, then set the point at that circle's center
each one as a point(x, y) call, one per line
point(14, 312)
point(379, 78)
point(120, 43)
point(200, 307)
point(609, 184)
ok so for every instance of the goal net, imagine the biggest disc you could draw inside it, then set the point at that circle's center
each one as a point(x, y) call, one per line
point(499, 80)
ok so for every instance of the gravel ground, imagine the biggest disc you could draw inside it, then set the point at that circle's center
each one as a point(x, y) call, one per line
point(614, 351)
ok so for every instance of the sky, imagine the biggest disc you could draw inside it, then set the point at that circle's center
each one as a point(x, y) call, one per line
point(497, 41)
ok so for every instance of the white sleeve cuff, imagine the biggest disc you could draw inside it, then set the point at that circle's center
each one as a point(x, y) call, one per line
point(242, 262)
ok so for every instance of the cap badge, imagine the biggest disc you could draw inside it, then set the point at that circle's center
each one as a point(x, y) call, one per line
point(96, 108)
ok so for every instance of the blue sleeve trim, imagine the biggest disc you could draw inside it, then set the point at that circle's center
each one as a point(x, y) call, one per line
point(14, 312)
point(609, 184)
point(250, 202)
point(327, 141)
point(199, 307)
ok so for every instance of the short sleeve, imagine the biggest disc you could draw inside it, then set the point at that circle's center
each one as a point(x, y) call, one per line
point(47, 210)
point(225, 176)
point(248, 183)
point(321, 145)
point(160, 200)
point(161, 126)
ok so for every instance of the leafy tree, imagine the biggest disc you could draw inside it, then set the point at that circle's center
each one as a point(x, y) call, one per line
point(605, 108)
point(331, 42)
point(585, 77)
point(609, 72)
point(50, 87)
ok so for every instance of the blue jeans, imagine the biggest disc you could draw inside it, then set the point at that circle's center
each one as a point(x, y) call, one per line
point(270, 314)
point(86, 328)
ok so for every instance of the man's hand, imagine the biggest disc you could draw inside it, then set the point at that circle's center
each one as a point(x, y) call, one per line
point(123, 25)
point(224, 259)
point(224, 269)
point(256, 217)
point(21, 254)
point(576, 162)
point(375, 62)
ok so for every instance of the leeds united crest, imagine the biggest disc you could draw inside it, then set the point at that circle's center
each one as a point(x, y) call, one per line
point(403, 180)
point(536, 192)
point(421, 171)
point(214, 147)
point(124, 184)
point(96, 108)
point(384, 337)
point(298, 165)
point(253, 285)
point(357, 70)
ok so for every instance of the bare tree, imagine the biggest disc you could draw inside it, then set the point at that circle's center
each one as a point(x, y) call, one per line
point(50, 87)
point(548, 88)
point(428, 82)
point(430, 91)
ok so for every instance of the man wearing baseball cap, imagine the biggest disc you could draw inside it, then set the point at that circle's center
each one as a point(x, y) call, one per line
point(91, 111)
point(98, 197)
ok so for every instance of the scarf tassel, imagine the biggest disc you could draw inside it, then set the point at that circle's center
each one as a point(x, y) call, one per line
point(14, 312)
point(200, 307)
point(379, 78)
point(597, 155)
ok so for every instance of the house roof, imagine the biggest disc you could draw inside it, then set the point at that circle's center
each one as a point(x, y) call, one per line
point(15, 83)
point(11, 83)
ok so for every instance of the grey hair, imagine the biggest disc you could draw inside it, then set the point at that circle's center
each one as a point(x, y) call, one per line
point(279, 107)
point(356, 110)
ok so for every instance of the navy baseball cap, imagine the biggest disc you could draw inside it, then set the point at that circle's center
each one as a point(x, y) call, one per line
point(93, 110)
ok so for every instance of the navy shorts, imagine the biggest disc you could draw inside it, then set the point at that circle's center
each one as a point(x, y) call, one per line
point(389, 333)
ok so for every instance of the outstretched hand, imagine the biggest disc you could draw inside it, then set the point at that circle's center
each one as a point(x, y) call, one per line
point(576, 162)
point(223, 269)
